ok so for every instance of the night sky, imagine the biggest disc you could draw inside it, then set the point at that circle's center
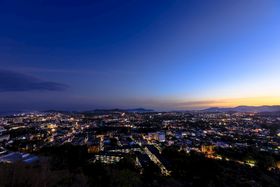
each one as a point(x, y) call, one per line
point(158, 54)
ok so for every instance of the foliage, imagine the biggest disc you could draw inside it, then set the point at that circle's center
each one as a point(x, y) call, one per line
point(68, 165)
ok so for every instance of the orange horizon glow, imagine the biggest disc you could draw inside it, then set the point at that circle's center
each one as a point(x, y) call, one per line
point(259, 101)
point(232, 102)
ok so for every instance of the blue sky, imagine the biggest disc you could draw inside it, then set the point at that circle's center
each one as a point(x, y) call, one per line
point(79, 55)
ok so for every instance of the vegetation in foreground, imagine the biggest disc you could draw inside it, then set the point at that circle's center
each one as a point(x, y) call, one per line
point(68, 165)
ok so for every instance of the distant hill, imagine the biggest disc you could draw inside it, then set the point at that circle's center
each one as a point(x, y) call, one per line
point(258, 109)
point(96, 111)
point(137, 110)
point(60, 111)
point(8, 113)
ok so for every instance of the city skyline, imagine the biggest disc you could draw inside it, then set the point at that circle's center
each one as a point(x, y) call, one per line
point(163, 55)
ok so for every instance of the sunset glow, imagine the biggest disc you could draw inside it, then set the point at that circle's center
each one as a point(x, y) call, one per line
point(161, 55)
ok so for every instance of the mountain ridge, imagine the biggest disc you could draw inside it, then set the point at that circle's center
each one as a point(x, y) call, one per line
point(244, 108)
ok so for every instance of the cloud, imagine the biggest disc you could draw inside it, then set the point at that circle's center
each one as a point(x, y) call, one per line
point(195, 104)
point(16, 82)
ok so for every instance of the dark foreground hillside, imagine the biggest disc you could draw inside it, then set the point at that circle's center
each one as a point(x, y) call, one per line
point(68, 166)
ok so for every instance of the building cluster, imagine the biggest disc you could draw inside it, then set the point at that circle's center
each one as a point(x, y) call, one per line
point(110, 137)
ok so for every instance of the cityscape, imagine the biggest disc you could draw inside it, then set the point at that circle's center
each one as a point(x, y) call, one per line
point(144, 137)
point(139, 93)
